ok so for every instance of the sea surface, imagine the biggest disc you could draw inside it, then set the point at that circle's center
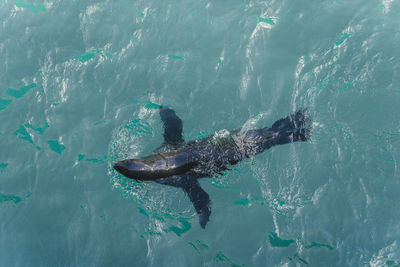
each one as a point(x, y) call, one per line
point(80, 86)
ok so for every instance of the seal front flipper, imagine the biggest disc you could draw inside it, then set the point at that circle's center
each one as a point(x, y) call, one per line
point(199, 198)
point(172, 126)
point(201, 202)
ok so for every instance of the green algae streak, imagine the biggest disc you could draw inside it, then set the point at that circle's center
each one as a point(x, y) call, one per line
point(85, 57)
point(40, 128)
point(151, 105)
point(221, 257)
point(202, 244)
point(143, 211)
point(56, 146)
point(275, 241)
point(34, 8)
point(242, 202)
point(195, 248)
point(319, 245)
point(269, 21)
point(186, 226)
point(7, 198)
point(296, 257)
point(21, 92)
point(99, 122)
point(390, 263)
point(4, 103)
point(198, 246)
point(347, 86)
point(176, 57)
point(23, 134)
point(343, 38)
point(99, 160)
point(3, 167)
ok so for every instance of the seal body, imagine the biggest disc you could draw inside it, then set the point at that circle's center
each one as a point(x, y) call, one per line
point(180, 164)
point(204, 157)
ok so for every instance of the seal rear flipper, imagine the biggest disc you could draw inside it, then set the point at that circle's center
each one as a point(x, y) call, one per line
point(172, 126)
point(295, 127)
point(199, 198)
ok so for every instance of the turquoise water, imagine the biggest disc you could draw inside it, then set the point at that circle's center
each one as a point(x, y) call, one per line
point(80, 83)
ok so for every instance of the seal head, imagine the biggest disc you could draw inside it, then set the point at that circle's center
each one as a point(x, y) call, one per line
point(155, 166)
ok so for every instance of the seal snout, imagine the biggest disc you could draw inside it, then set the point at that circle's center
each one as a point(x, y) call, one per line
point(119, 166)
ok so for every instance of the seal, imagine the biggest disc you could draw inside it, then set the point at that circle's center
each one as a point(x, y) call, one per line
point(180, 164)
